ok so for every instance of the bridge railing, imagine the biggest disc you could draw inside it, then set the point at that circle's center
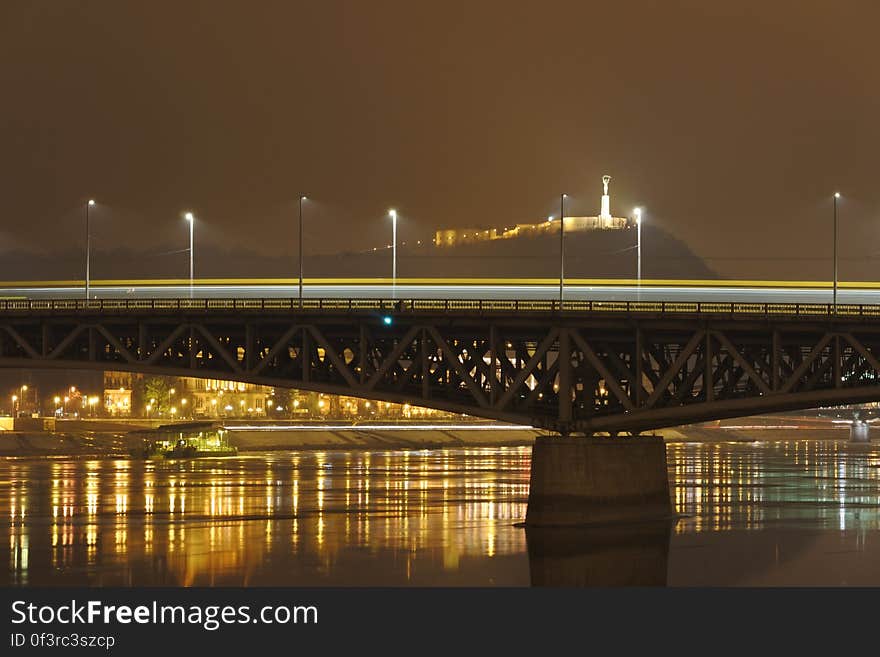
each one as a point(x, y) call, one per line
point(427, 306)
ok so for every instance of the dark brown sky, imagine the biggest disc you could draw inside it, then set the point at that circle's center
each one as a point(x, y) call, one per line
point(731, 122)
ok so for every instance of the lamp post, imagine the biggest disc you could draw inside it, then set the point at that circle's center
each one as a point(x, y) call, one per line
point(301, 199)
point(638, 213)
point(834, 292)
point(192, 220)
point(393, 214)
point(90, 204)
point(562, 198)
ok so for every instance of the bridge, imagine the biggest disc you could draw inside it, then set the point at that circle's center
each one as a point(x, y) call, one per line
point(586, 367)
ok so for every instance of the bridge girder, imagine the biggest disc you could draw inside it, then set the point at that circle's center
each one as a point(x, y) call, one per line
point(618, 372)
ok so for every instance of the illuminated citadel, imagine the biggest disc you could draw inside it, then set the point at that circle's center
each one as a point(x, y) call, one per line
point(603, 221)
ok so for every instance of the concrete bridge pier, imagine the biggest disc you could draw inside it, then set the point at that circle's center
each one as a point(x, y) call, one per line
point(595, 481)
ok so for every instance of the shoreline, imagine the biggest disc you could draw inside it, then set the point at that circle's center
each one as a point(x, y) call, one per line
point(116, 444)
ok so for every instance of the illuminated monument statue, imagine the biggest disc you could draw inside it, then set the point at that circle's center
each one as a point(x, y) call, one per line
point(605, 212)
point(604, 221)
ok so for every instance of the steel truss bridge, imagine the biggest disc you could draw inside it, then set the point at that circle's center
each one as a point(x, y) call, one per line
point(586, 367)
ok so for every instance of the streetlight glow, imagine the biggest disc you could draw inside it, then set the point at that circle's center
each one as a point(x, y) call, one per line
point(301, 199)
point(834, 241)
point(393, 214)
point(90, 204)
point(192, 220)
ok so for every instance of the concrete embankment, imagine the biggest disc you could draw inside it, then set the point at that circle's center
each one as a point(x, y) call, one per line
point(35, 443)
point(366, 438)
point(117, 442)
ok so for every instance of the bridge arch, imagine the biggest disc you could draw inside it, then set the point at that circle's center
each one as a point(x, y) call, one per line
point(621, 369)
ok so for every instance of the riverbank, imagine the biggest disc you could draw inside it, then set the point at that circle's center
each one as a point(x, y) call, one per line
point(109, 444)
point(253, 439)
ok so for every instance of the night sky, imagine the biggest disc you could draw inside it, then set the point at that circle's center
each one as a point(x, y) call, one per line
point(730, 122)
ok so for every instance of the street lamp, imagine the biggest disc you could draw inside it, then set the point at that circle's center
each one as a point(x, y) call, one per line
point(638, 213)
point(301, 199)
point(192, 220)
point(14, 405)
point(21, 390)
point(834, 293)
point(562, 198)
point(393, 214)
point(90, 204)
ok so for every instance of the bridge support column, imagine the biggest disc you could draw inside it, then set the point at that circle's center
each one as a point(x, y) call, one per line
point(591, 481)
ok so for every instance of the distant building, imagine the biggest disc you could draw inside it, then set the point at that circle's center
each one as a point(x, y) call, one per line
point(189, 397)
point(603, 221)
point(117, 393)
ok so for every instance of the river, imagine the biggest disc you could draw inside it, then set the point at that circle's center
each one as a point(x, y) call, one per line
point(794, 512)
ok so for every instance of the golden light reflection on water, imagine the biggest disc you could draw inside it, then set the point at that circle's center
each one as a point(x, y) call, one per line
point(352, 518)
point(263, 519)
point(729, 486)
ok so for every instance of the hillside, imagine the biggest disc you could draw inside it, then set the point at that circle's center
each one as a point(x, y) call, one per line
point(596, 254)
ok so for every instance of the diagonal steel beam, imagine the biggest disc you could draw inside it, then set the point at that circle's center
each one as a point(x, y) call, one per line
point(166, 344)
point(116, 344)
point(611, 381)
point(67, 341)
point(21, 342)
point(795, 377)
point(546, 377)
point(455, 360)
point(219, 348)
point(861, 349)
point(743, 363)
point(334, 357)
point(674, 368)
point(527, 369)
point(280, 344)
point(393, 357)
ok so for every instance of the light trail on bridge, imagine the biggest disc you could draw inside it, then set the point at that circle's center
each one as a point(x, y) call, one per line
point(719, 291)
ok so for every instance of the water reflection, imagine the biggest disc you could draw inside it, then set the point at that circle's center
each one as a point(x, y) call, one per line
point(625, 555)
point(758, 513)
point(275, 518)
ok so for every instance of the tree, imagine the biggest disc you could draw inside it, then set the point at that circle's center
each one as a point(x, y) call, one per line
point(157, 388)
